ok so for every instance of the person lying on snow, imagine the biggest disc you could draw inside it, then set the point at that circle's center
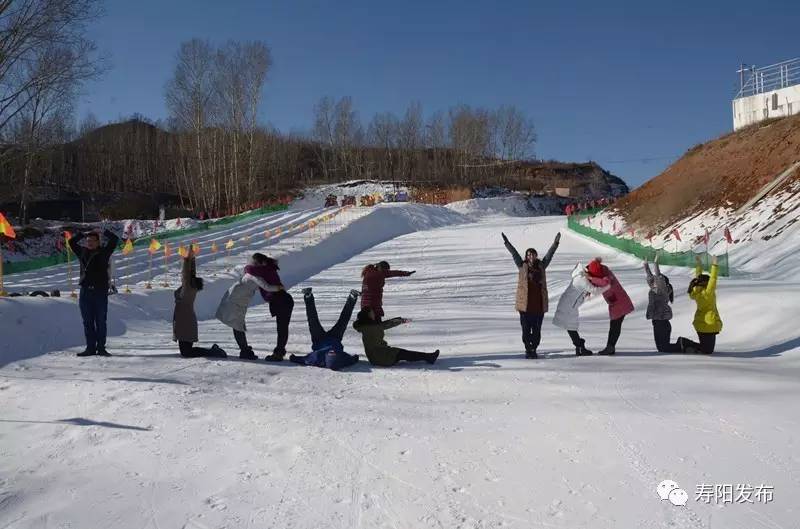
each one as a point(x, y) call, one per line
point(531, 297)
point(233, 306)
point(373, 279)
point(659, 298)
point(379, 353)
point(707, 321)
point(568, 310)
point(184, 320)
point(619, 303)
point(326, 346)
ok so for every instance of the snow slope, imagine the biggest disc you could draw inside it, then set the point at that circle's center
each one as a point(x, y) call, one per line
point(483, 439)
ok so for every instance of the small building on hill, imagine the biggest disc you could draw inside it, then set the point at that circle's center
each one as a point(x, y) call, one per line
point(767, 92)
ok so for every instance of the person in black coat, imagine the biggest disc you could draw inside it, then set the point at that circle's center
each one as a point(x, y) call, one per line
point(94, 263)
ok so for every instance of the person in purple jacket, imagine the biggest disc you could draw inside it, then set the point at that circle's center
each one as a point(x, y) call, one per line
point(619, 303)
point(281, 303)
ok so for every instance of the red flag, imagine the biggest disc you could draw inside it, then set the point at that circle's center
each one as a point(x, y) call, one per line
point(728, 235)
point(614, 227)
point(632, 232)
point(705, 237)
point(650, 236)
point(677, 234)
point(178, 221)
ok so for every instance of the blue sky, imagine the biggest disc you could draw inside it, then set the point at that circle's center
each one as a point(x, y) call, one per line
point(630, 84)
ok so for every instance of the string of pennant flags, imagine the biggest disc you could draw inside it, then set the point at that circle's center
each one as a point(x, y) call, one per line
point(675, 233)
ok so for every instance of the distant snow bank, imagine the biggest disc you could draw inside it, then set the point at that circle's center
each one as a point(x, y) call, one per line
point(514, 205)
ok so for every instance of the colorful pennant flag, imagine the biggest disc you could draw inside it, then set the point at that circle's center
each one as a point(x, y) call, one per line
point(154, 246)
point(196, 248)
point(229, 244)
point(183, 251)
point(214, 247)
point(127, 248)
point(5, 228)
point(705, 237)
point(728, 235)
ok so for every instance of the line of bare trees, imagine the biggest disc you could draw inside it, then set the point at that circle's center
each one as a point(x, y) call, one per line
point(45, 58)
point(214, 152)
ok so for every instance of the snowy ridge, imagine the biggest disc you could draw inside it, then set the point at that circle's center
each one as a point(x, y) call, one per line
point(513, 205)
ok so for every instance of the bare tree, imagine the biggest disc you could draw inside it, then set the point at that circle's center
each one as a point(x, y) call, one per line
point(28, 29)
point(88, 124)
point(513, 135)
point(411, 138)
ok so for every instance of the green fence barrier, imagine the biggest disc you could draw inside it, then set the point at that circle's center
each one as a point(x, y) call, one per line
point(15, 267)
point(643, 252)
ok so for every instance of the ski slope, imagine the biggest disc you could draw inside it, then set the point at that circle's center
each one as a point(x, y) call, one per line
point(485, 438)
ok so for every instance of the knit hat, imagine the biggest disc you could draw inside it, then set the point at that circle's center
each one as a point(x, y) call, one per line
point(595, 268)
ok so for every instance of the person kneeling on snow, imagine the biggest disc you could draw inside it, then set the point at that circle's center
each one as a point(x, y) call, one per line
point(184, 320)
point(658, 308)
point(619, 303)
point(707, 322)
point(379, 353)
point(326, 346)
point(233, 306)
point(569, 304)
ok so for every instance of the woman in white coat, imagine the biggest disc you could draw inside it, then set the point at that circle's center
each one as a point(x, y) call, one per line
point(233, 306)
point(568, 310)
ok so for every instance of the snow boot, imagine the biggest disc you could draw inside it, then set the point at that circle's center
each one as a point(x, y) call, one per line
point(608, 351)
point(431, 358)
point(581, 350)
point(247, 354)
point(276, 356)
point(102, 352)
point(531, 354)
point(87, 352)
point(218, 352)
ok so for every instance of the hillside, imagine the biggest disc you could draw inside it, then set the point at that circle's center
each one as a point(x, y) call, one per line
point(722, 173)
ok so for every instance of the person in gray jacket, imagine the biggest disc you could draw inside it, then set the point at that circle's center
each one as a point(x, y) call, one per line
point(659, 311)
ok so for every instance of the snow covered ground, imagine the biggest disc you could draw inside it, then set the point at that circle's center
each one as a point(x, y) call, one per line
point(484, 438)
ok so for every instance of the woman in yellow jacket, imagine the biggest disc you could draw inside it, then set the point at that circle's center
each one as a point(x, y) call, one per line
point(707, 323)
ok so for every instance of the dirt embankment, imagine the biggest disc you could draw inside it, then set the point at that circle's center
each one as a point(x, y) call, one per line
point(725, 172)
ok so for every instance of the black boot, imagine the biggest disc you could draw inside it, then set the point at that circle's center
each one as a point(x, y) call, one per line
point(608, 351)
point(432, 357)
point(531, 353)
point(87, 352)
point(101, 351)
point(581, 350)
point(276, 356)
point(247, 354)
point(218, 352)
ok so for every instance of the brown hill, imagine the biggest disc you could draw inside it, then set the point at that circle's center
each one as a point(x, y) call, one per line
point(725, 172)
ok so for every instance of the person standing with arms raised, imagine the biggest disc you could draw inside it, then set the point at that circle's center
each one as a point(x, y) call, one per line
point(94, 262)
point(532, 297)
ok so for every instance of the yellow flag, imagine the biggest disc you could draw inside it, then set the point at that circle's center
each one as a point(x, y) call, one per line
point(229, 244)
point(196, 248)
point(154, 246)
point(127, 248)
point(6, 229)
point(182, 251)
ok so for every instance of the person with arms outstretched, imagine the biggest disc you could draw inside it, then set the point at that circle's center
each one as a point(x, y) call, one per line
point(184, 319)
point(378, 352)
point(531, 297)
point(94, 281)
point(326, 346)
point(373, 279)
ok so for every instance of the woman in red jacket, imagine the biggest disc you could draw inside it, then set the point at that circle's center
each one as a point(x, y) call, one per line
point(373, 278)
point(619, 303)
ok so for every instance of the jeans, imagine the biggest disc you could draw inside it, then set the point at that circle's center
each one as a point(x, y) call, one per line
point(281, 305)
point(531, 329)
point(315, 327)
point(614, 330)
point(662, 330)
point(93, 303)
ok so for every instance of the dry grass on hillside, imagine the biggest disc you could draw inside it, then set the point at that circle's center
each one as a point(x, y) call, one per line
point(725, 171)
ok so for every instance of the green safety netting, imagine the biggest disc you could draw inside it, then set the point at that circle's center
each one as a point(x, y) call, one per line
point(643, 252)
point(12, 267)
